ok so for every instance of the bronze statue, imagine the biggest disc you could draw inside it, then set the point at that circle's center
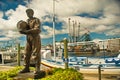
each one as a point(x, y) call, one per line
point(33, 46)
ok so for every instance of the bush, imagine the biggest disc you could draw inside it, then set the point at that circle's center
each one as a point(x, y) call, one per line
point(8, 75)
point(64, 74)
point(53, 74)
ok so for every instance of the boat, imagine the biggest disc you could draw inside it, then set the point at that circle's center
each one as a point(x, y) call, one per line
point(115, 60)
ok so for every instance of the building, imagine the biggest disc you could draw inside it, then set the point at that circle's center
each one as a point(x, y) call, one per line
point(113, 45)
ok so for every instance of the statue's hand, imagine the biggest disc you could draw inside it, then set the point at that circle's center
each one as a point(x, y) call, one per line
point(23, 32)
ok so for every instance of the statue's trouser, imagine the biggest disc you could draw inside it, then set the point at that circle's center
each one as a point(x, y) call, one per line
point(33, 48)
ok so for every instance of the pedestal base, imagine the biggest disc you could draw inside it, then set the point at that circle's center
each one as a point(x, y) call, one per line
point(25, 76)
point(39, 75)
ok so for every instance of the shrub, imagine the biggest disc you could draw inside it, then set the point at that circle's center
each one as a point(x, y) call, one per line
point(53, 74)
point(7, 75)
point(64, 74)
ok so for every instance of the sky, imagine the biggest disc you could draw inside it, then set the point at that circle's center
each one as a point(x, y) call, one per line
point(101, 18)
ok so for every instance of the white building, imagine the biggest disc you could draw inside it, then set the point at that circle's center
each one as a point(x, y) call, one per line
point(113, 45)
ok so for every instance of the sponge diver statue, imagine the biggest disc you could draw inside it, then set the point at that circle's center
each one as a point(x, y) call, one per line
point(31, 29)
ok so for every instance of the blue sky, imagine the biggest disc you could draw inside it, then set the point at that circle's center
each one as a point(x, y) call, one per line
point(100, 17)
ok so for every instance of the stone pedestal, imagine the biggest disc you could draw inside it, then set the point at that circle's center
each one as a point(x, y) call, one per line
point(25, 76)
point(39, 75)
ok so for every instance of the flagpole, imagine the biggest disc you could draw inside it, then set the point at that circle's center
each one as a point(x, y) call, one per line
point(54, 30)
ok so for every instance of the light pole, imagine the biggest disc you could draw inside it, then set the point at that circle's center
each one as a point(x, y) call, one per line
point(54, 29)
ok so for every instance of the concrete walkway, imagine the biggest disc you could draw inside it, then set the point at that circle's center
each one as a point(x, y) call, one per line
point(6, 68)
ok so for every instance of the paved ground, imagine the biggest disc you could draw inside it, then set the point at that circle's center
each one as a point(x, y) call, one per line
point(109, 74)
point(5, 68)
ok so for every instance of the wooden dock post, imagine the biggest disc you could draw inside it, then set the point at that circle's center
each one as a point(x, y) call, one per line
point(99, 72)
point(65, 53)
point(18, 55)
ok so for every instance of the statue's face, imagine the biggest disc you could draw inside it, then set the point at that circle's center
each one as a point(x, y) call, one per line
point(30, 14)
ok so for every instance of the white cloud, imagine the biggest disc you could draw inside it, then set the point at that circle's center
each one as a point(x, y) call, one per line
point(112, 8)
point(102, 28)
point(49, 32)
point(13, 34)
point(109, 10)
point(41, 7)
point(17, 15)
point(114, 32)
point(9, 26)
point(104, 24)
point(68, 8)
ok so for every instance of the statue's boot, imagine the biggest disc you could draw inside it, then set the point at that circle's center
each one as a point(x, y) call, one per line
point(27, 63)
point(25, 70)
point(37, 68)
point(37, 64)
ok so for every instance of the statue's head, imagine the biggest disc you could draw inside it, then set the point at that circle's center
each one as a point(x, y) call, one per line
point(22, 25)
point(30, 12)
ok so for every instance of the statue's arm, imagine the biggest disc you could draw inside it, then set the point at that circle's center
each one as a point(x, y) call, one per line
point(36, 29)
